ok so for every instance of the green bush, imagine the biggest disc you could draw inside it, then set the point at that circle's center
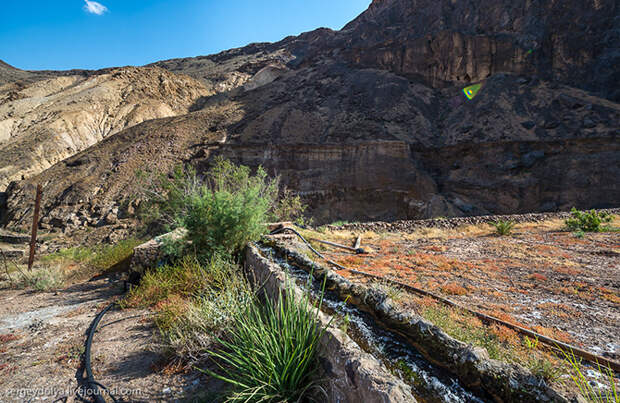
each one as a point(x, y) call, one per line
point(165, 204)
point(230, 212)
point(222, 212)
point(503, 227)
point(289, 208)
point(587, 221)
point(271, 353)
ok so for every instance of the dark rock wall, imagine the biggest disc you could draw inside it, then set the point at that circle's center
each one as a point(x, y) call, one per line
point(350, 181)
point(3, 206)
point(519, 177)
point(574, 42)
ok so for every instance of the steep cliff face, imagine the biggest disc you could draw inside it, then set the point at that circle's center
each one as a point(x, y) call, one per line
point(447, 41)
point(370, 122)
point(522, 145)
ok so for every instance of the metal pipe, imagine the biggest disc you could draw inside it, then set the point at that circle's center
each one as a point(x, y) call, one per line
point(337, 245)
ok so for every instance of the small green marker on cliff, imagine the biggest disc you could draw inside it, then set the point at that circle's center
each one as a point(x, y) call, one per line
point(471, 91)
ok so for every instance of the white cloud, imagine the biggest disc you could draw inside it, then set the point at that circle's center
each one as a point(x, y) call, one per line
point(94, 7)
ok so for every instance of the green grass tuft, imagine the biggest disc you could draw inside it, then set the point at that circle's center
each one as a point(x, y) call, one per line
point(100, 258)
point(271, 352)
point(606, 394)
point(109, 256)
point(503, 227)
point(78, 254)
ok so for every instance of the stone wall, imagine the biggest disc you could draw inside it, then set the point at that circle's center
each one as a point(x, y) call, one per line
point(454, 222)
point(150, 253)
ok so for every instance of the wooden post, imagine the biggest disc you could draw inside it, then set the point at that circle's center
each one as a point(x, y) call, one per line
point(35, 226)
point(358, 242)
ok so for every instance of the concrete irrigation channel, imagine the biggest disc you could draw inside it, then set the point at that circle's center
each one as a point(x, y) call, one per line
point(408, 349)
point(372, 350)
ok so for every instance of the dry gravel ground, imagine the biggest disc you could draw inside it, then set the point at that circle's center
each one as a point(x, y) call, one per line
point(540, 276)
point(42, 337)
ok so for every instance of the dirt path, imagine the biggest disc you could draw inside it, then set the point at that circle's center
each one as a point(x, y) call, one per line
point(42, 337)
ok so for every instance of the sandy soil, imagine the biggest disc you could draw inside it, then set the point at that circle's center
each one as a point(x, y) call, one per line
point(42, 338)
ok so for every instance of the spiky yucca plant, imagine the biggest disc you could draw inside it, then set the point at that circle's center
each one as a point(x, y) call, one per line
point(503, 227)
point(271, 353)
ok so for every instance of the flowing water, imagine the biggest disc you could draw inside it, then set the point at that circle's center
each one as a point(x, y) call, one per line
point(429, 383)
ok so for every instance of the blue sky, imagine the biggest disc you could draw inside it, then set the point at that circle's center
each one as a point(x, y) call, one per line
point(66, 34)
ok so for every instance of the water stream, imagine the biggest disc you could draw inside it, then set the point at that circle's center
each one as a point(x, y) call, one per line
point(428, 382)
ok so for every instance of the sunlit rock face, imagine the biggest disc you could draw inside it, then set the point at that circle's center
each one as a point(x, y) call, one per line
point(371, 122)
point(44, 122)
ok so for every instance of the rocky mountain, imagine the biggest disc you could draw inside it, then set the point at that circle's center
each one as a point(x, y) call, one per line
point(230, 69)
point(371, 122)
point(51, 118)
point(9, 74)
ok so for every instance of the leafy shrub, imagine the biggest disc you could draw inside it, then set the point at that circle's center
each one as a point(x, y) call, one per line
point(224, 217)
point(587, 221)
point(223, 211)
point(271, 353)
point(503, 227)
point(289, 207)
point(174, 247)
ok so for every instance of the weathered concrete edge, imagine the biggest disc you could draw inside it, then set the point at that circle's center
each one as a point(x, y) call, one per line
point(472, 365)
point(150, 253)
point(352, 375)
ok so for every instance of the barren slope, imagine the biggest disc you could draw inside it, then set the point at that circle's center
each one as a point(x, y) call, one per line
point(49, 120)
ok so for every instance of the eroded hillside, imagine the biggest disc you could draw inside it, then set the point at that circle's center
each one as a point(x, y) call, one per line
point(370, 122)
point(51, 119)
